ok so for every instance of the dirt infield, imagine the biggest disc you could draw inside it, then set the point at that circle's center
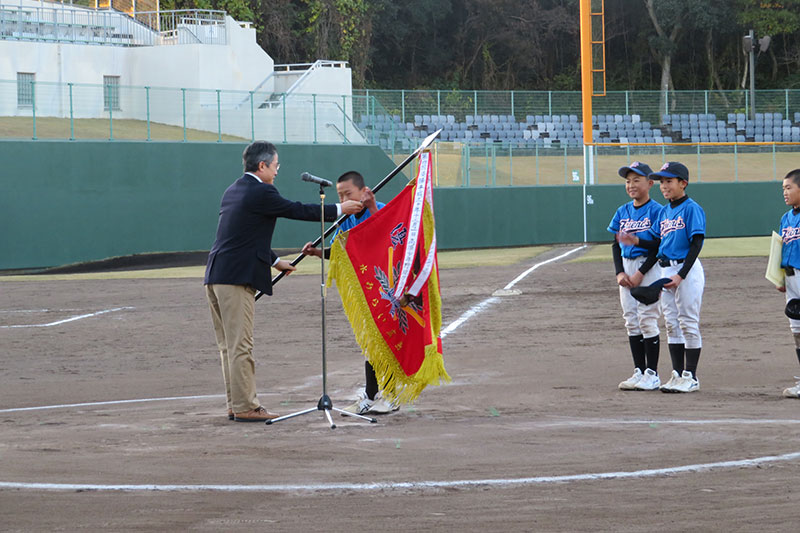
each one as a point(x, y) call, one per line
point(532, 435)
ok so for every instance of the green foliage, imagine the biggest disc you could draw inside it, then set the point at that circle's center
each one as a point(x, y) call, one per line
point(769, 18)
point(521, 44)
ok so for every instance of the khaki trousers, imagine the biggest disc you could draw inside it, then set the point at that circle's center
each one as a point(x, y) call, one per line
point(232, 310)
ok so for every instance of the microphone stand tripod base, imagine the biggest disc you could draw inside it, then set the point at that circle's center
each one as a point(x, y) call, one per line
point(326, 406)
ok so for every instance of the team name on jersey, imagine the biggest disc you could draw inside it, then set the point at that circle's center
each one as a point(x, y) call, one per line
point(790, 234)
point(670, 225)
point(630, 225)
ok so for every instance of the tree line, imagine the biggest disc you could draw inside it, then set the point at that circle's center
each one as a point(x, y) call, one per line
point(527, 44)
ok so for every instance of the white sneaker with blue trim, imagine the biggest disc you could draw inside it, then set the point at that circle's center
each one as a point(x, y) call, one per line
point(630, 383)
point(649, 381)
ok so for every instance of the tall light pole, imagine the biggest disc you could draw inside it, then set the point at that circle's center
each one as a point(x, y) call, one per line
point(749, 43)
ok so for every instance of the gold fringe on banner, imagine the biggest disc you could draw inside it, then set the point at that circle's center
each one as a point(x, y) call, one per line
point(393, 381)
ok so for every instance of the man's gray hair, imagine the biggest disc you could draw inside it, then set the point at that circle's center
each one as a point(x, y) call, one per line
point(257, 152)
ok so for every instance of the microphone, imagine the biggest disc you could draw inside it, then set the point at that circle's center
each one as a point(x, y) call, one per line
point(305, 176)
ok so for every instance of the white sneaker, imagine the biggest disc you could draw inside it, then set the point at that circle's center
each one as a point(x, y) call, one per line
point(649, 381)
point(688, 383)
point(793, 392)
point(669, 386)
point(380, 407)
point(361, 405)
point(630, 383)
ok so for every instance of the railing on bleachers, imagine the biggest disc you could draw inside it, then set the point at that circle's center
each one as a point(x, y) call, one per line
point(88, 26)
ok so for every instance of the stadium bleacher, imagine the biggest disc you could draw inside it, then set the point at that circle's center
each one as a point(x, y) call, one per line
point(567, 130)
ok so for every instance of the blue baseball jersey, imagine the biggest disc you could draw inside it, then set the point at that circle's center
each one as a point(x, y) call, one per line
point(790, 233)
point(676, 226)
point(352, 221)
point(633, 219)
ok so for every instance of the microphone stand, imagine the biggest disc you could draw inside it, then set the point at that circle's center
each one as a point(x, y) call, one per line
point(325, 405)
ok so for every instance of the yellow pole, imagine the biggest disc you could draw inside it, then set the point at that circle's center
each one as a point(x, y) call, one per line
point(586, 68)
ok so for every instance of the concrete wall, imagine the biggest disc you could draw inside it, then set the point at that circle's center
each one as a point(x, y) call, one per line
point(240, 65)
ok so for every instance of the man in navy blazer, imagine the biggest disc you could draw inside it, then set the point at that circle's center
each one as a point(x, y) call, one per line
point(239, 264)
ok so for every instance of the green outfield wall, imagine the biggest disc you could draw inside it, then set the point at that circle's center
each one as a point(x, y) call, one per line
point(64, 202)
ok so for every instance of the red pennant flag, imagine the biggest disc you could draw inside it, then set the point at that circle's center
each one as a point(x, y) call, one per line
point(387, 275)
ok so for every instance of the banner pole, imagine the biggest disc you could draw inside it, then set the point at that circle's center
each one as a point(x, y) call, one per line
point(427, 142)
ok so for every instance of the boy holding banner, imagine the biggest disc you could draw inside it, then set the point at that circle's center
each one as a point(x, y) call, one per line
point(387, 275)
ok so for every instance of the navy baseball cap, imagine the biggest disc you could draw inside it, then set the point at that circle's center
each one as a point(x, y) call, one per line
point(637, 167)
point(649, 295)
point(672, 169)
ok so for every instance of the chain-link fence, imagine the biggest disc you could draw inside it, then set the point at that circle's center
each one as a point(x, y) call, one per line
point(408, 104)
point(489, 138)
point(110, 111)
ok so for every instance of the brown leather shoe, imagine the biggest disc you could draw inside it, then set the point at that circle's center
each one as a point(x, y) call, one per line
point(230, 414)
point(255, 415)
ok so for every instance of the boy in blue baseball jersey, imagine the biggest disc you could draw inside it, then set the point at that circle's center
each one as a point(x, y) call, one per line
point(641, 321)
point(790, 258)
point(681, 229)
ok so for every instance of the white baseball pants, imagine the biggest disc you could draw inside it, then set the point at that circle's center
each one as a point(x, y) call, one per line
point(681, 306)
point(640, 319)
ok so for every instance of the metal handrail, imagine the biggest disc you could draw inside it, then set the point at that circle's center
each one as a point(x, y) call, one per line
point(318, 63)
point(109, 27)
point(289, 67)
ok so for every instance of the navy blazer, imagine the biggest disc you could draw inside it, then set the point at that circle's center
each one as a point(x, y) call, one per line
point(242, 252)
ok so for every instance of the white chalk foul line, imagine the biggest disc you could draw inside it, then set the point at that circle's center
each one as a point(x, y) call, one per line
point(537, 265)
point(409, 485)
point(70, 319)
point(485, 304)
point(113, 402)
point(469, 313)
point(601, 422)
